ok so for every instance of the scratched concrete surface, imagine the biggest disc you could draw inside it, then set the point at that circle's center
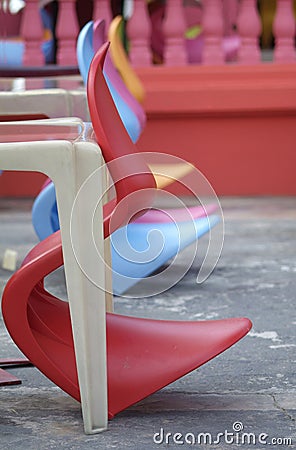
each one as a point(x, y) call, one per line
point(252, 383)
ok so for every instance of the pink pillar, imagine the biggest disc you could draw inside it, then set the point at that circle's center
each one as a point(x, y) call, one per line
point(249, 29)
point(174, 28)
point(284, 32)
point(230, 12)
point(212, 25)
point(102, 10)
point(139, 34)
point(32, 34)
point(67, 32)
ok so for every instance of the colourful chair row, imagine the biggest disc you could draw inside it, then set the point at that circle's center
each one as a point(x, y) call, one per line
point(127, 270)
point(74, 344)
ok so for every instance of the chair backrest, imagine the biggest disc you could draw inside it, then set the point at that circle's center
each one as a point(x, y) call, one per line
point(113, 74)
point(84, 50)
point(85, 53)
point(128, 168)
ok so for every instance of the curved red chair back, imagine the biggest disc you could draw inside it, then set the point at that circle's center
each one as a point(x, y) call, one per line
point(130, 174)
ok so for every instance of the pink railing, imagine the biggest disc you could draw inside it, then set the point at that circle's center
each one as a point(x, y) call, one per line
point(228, 30)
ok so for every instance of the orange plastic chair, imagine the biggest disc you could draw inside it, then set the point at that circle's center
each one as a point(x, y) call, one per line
point(121, 61)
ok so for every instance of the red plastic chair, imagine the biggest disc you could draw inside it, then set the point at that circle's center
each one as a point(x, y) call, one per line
point(143, 355)
point(41, 327)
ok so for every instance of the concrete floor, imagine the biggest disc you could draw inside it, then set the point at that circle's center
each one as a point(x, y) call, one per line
point(250, 385)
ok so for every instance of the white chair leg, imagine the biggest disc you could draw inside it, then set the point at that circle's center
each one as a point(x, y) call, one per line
point(68, 163)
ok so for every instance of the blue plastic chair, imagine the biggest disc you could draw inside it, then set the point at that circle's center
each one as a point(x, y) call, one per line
point(134, 259)
point(85, 54)
point(130, 259)
point(44, 212)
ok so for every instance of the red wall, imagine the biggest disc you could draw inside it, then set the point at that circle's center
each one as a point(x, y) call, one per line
point(237, 124)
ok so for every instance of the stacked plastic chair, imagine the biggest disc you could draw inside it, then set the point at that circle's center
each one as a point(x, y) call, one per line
point(90, 38)
point(67, 341)
point(175, 225)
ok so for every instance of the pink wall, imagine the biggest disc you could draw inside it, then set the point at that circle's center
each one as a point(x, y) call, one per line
point(235, 123)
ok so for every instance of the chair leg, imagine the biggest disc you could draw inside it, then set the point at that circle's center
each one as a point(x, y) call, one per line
point(85, 271)
point(69, 164)
point(14, 362)
point(6, 379)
